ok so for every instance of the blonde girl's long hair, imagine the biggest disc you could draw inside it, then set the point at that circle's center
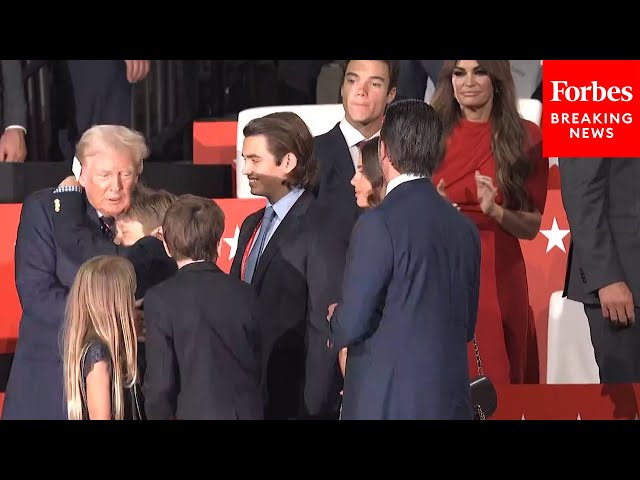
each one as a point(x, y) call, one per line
point(100, 307)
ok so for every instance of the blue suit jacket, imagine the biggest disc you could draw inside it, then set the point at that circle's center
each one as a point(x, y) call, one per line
point(408, 309)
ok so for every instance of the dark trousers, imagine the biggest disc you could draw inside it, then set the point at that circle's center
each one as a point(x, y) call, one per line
point(98, 93)
point(617, 349)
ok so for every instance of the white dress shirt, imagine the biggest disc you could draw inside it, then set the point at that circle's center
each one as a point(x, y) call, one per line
point(400, 179)
point(353, 137)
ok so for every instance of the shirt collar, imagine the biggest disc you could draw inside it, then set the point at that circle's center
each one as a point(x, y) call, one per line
point(351, 135)
point(282, 206)
point(400, 179)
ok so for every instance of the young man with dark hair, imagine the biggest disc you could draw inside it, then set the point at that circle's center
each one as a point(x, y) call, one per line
point(286, 252)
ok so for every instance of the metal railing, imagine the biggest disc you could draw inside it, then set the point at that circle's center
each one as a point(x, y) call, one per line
point(163, 108)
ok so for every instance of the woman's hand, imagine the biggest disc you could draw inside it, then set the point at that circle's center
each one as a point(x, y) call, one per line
point(486, 194)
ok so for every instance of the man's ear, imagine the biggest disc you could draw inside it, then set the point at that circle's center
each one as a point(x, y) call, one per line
point(82, 179)
point(157, 232)
point(382, 150)
point(391, 96)
point(290, 162)
point(166, 249)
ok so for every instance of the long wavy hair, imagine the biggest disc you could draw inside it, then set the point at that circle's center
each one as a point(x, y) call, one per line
point(372, 170)
point(510, 141)
point(100, 307)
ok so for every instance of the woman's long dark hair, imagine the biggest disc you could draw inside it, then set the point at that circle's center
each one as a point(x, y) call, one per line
point(510, 141)
point(372, 170)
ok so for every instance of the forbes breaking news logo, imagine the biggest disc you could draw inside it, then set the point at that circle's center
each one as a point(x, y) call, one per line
point(585, 116)
point(586, 125)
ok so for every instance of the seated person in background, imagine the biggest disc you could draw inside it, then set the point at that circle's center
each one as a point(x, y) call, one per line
point(203, 341)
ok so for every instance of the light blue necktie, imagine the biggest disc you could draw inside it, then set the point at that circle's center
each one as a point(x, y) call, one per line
point(258, 245)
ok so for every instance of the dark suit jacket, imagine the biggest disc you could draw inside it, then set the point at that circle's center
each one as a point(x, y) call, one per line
point(409, 305)
point(56, 234)
point(336, 171)
point(602, 200)
point(77, 233)
point(151, 263)
point(300, 375)
point(203, 347)
point(414, 75)
point(14, 103)
point(43, 277)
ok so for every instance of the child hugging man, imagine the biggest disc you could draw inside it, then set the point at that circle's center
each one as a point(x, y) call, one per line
point(143, 219)
point(202, 340)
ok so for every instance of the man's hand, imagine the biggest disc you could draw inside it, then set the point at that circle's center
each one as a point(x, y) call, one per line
point(137, 70)
point(70, 181)
point(342, 360)
point(332, 307)
point(617, 304)
point(442, 190)
point(13, 147)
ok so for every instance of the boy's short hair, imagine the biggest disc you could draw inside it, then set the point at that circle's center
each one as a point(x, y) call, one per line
point(192, 228)
point(148, 206)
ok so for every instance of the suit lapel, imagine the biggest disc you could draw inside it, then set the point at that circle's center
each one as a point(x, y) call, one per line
point(92, 213)
point(246, 231)
point(289, 225)
point(343, 162)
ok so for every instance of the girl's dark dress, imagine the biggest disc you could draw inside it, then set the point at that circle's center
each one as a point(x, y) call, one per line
point(133, 401)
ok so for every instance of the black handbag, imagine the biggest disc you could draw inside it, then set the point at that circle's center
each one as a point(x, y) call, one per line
point(484, 398)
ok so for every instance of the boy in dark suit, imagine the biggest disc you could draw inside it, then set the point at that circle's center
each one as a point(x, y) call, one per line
point(141, 220)
point(203, 344)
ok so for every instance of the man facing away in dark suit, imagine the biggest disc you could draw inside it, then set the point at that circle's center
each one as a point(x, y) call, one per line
point(411, 284)
point(602, 200)
point(367, 88)
point(281, 254)
point(203, 341)
point(13, 114)
point(112, 158)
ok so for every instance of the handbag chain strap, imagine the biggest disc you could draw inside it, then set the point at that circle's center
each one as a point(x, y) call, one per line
point(478, 361)
point(481, 414)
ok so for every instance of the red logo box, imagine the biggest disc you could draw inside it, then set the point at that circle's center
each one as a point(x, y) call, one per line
point(591, 108)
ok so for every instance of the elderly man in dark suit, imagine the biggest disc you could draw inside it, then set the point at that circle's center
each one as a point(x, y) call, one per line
point(410, 289)
point(13, 115)
point(602, 200)
point(111, 158)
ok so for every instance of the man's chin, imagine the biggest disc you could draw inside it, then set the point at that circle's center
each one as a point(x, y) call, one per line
point(257, 191)
point(113, 211)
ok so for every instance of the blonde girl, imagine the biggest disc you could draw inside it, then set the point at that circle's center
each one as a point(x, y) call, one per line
point(99, 342)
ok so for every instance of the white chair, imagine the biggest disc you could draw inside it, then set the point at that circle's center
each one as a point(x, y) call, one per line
point(530, 109)
point(319, 118)
point(322, 118)
point(570, 357)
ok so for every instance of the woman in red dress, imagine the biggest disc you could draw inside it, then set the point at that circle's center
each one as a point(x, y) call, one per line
point(493, 170)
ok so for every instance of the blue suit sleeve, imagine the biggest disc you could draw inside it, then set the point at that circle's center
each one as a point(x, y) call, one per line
point(366, 278)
